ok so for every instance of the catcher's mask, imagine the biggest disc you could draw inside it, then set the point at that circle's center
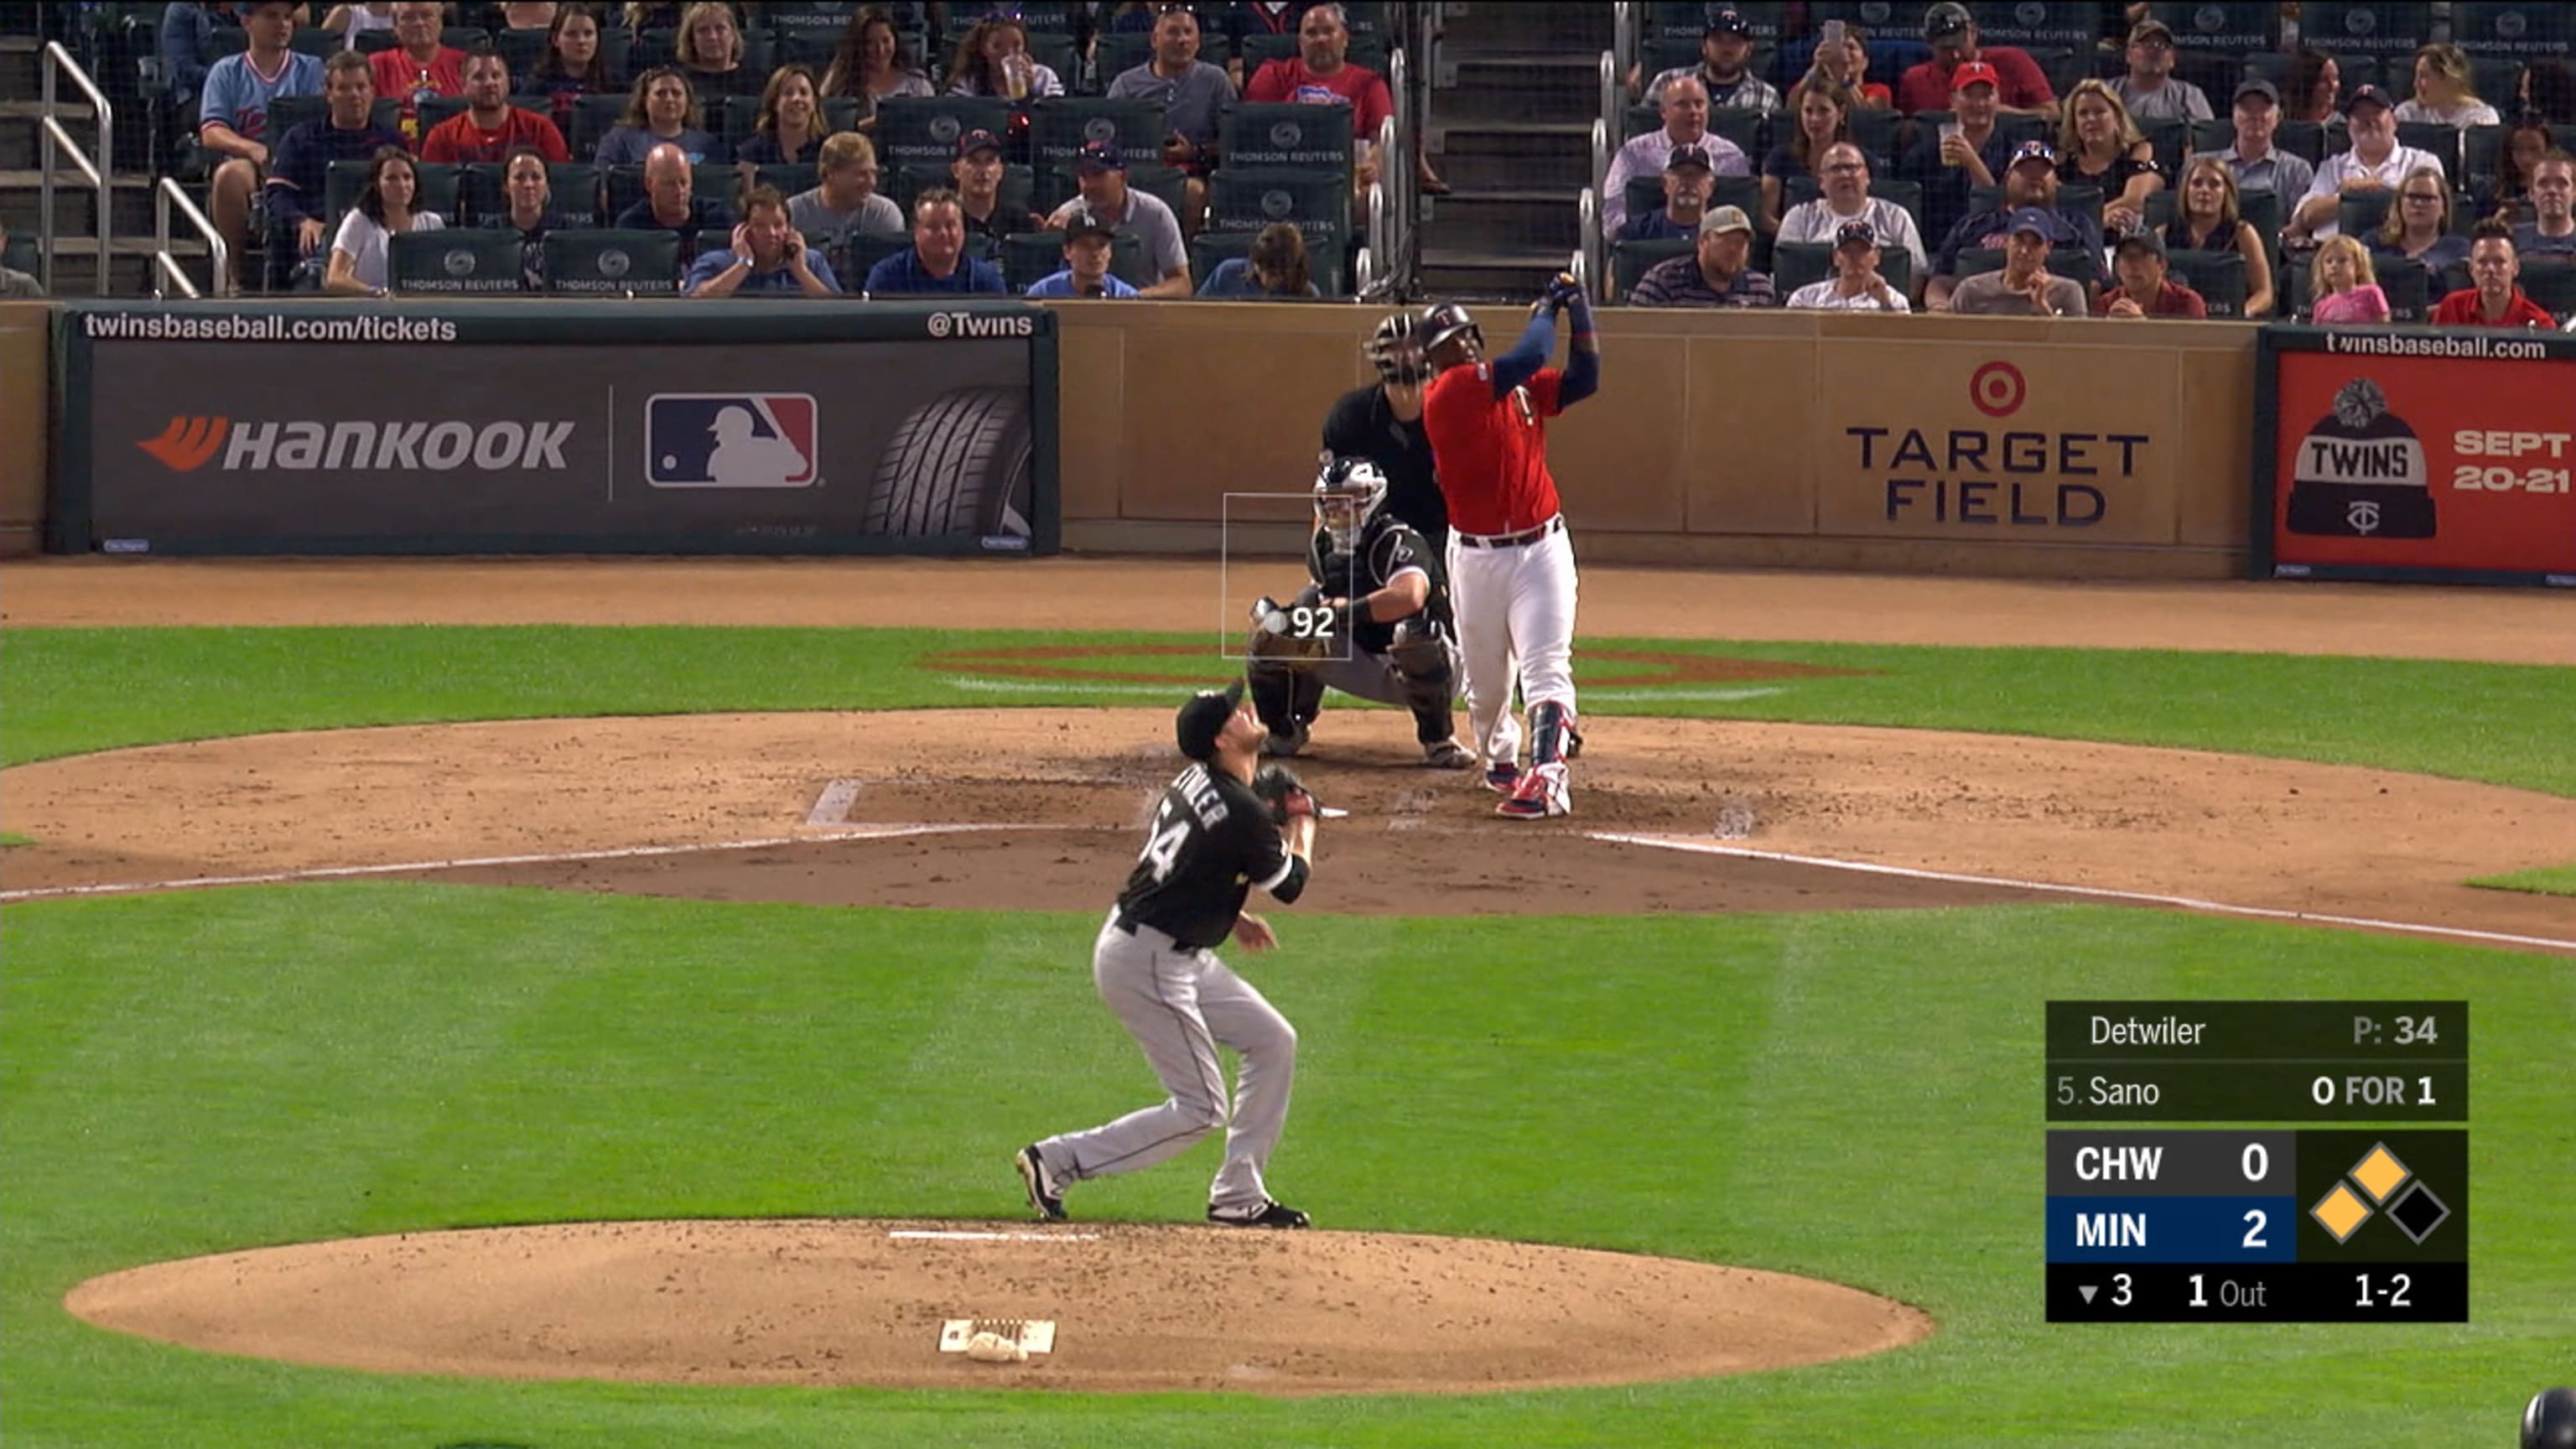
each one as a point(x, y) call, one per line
point(1450, 322)
point(1348, 492)
point(1395, 349)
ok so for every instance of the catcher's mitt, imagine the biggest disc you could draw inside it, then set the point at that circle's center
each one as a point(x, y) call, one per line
point(1285, 794)
point(1275, 639)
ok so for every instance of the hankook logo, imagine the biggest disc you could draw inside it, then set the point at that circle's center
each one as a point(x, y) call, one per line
point(190, 443)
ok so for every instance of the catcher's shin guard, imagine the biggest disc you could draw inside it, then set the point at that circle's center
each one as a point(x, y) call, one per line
point(1551, 729)
point(1273, 688)
point(1425, 673)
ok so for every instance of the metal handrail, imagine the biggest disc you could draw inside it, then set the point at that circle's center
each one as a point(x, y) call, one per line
point(1601, 157)
point(165, 267)
point(1395, 172)
point(1363, 276)
point(1623, 33)
point(1613, 94)
point(52, 135)
point(1589, 261)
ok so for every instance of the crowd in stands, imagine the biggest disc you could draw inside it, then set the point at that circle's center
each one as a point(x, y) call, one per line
point(2108, 182)
point(755, 136)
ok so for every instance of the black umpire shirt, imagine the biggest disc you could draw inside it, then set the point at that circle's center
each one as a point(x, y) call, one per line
point(1211, 844)
point(1362, 426)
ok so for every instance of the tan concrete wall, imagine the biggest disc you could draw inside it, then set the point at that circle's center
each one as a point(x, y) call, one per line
point(26, 425)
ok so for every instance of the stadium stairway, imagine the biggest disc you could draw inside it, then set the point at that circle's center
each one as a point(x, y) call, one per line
point(1514, 92)
point(76, 256)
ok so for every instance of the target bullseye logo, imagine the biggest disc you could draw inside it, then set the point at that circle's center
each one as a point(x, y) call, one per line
point(1997, 389)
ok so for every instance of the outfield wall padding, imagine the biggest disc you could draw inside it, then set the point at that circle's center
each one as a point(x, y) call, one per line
point(26, 423)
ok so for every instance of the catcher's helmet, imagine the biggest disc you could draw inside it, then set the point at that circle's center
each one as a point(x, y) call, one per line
point(1446, 323)
point(1396, 349)
point(2549, 1421)
point(1348, 493)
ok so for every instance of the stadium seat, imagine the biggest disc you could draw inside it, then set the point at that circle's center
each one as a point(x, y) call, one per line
point(1317, 202)
point(862, 251)
point(787, 178)
point(521, 49)
point(2170, 137)
point(1030, 256)
point(1118, 51)
point(1019, 185)
point(2512, 27)
point(1874, 129)
point(1209, 249)
point(2378, 28)
point(735, 118)
point(1630, 260)
point(1292, 137)
point(288, 112)
point(2442, 141)
point(1795, 264)
point(594, 116)
point(1061, 126)
point(459, 261)
point(2219, 278)
point(924, 130)
point(2409, 286)
point(342, 183)
point(1749, 130)
point(611, 263)
point(22, 254)
point(2229, 30)
point(2032, 24)
point(2079, 263)
point(802, 42)
point(2303, 139)
point(2551, 285)
point(436, 111)
point(2363, 211)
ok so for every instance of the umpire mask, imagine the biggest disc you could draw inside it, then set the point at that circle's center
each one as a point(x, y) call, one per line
point(1395, 349)
point(1347, 494)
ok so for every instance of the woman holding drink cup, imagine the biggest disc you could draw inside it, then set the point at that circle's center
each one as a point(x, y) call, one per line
point(993, 60)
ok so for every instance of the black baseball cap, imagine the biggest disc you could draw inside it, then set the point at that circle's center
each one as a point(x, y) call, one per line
point(1203, 719)
point(1689, 156)
point(1083, 221)
point(1945, 20)
point(1726, 20)
point(2372, 94)
point(2140, 241)
point(1854, 233)
point(1103, 154)
point(2257, 86)
point(974, 141)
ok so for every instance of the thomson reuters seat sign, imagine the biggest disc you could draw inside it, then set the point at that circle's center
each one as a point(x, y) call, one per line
point(190, 444)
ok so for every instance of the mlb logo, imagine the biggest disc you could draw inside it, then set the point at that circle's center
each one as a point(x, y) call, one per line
point(730, 440)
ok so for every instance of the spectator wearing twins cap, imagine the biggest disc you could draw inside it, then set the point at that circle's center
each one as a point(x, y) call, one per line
point(1856, 285)
point(2146, 289)
point(1952, 34)
point(1725, 67)
point(1685, 109)
point(1846, 199)
point(1716, 273)
point(978, 171)
point(1964, 154)
point(1100, 170)
point(2030, 187)
point(1688, 184)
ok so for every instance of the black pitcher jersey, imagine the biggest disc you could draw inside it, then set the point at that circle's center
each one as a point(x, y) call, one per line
point(1210, 844)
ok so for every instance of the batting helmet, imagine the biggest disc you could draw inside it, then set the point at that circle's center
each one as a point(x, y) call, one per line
point(1348, 493)
point(1446, 323)
point(2549, 1421)
point(1396, 349)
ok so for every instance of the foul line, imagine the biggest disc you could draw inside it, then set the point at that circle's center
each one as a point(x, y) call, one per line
point(418, 867)
point(965, 1237)
point(1666, 842)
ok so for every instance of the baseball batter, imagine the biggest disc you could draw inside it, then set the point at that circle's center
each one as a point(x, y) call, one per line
point(1511, 566)
point(1374, 623)
point(1212, 840)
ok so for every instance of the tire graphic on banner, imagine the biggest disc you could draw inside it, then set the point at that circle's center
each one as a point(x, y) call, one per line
point(2360, 472)
point(960, 464)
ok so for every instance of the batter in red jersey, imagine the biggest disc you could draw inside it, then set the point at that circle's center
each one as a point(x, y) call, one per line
point(1511, 565)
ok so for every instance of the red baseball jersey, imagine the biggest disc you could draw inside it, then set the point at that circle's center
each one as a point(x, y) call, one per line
point(1492, 456)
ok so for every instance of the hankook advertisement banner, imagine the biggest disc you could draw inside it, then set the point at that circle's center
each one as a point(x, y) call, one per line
point(2436, 456)
point(624, 427)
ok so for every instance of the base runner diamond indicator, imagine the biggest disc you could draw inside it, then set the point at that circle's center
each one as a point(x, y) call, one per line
point(2341, 1212)
point(2418, 1213)
point(2380, 1173)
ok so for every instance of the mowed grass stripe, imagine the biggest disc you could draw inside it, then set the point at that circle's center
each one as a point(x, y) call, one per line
point(1856, 1096)
point(78, 690)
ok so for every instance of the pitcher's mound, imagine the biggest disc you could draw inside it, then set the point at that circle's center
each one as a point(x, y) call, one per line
point(1136, 1307)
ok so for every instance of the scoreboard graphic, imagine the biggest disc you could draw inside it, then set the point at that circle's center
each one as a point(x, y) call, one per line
point(2344, 1223)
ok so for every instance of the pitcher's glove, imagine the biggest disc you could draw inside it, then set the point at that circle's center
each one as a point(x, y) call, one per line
point(1287, 796)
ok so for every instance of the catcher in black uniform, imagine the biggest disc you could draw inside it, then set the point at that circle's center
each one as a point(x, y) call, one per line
point(1374, 623)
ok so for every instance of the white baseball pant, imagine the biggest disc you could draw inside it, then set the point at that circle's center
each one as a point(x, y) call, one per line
point(1180, 1004)
point(1515, 611)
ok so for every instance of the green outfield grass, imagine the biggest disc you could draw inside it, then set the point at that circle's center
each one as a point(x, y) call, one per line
point(2557, 880)
point(10, 837)
point(78, 690)
point(1856, 1096)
